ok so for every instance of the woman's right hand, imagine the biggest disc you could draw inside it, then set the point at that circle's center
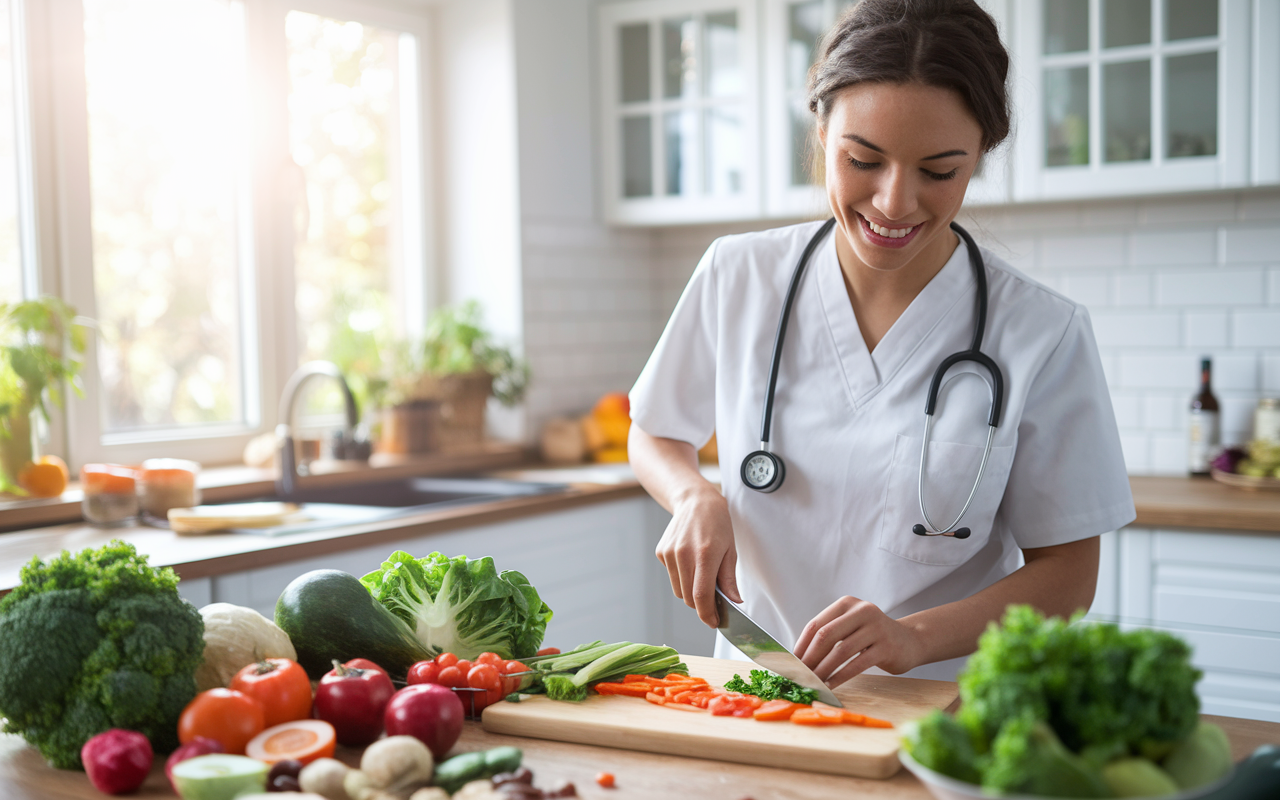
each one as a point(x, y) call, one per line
point(698, 551)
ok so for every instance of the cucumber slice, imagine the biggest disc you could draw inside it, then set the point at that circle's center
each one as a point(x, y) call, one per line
point(219, 777)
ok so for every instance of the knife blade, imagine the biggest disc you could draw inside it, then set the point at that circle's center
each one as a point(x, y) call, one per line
point(758, 645)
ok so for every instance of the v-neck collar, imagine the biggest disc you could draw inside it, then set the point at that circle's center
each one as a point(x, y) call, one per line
point(866, 371)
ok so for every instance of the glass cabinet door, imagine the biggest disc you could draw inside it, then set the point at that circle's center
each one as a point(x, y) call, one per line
point(1134, 95)
point(680, 100)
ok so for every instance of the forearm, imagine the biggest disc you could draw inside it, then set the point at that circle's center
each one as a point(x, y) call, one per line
point(1057, 580)
point(666, 468)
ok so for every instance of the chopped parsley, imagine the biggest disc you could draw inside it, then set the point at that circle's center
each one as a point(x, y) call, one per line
point(768, 686)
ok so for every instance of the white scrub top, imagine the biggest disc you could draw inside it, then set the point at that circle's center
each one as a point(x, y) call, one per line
point(848, 423)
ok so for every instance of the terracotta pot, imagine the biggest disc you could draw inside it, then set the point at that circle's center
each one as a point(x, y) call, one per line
point(462, 398)
point(412, 427)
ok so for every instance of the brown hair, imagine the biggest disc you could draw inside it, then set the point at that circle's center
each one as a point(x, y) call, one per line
point(950, 44)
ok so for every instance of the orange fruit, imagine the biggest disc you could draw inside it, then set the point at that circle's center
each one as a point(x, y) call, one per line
point(46, 477)
point(613, 404)
point(611, 455)
point(615, 430)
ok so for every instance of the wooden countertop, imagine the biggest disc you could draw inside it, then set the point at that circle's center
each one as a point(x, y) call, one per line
point(25, 776)
point(1167, 502)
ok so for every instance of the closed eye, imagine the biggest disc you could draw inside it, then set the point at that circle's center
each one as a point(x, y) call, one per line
point(862, 164)
point(941, 176)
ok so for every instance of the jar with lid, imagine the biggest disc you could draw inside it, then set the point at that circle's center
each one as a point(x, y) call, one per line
point(165, 483)
point(110, 494)
point(1266, 420)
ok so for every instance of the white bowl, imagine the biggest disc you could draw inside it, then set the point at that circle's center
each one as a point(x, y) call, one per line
point(944, 787)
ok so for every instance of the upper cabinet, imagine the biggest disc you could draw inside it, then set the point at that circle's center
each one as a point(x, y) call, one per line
point(680, 111)
point(1132, 96)
point(705, 115)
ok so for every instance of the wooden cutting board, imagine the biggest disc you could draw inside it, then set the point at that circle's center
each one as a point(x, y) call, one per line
point(630, 723)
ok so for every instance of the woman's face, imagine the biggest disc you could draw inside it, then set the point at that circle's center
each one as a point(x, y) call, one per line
point(898, 160)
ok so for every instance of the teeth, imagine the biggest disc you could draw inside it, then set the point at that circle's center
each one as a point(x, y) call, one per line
point(892, 233)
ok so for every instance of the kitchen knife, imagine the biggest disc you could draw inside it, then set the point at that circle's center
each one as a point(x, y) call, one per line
point(756, 643)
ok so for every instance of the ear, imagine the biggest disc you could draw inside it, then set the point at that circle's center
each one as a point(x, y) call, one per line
point(822, 135)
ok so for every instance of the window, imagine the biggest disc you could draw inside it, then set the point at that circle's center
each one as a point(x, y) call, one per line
point(240, 190)
point(1133, 95)
point(11, 261)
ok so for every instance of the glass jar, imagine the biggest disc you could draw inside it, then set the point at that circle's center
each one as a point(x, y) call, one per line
point(110, 494)
point(1266, 420)
point(165, 483)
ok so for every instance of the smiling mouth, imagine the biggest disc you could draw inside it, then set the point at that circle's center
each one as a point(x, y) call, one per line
point(888, 237)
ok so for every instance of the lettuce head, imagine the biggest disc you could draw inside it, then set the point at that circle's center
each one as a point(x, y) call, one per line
point(462, 605)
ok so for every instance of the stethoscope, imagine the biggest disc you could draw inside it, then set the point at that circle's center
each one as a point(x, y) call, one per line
point(764, 471)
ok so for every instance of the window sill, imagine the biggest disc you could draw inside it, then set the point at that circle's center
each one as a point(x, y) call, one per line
point(233, 483)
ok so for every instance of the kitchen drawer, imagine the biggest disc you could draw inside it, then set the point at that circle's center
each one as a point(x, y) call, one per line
point(1230, 652)
point(1244, 610)
point(1233, 695)
point(1256, 552)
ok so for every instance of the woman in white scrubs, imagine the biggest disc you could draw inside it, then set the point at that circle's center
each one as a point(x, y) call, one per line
point(908, 95)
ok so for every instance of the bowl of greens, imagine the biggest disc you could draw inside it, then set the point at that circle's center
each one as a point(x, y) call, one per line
point(1056, 708)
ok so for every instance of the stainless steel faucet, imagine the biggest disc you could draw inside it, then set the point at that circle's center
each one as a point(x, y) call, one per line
point(351, 446)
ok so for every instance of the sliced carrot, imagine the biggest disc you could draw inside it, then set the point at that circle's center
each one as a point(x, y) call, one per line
point(636, 679)
point(872, 722)
point(853, 718)
point(681, 707)
point(776, 711)
point(812, 716)
point(682, 697)
point(626, 689)
point(655, 698)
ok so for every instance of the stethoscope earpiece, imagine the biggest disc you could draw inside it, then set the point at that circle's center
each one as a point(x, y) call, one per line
point(763, 471)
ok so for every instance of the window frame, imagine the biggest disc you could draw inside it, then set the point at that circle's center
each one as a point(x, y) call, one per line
point(57, 126)
point(1229, 168)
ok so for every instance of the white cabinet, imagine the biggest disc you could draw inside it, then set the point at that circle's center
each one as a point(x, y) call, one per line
point(1218, 591)
point(594, 566)
point(1141, 96)
point(679, 110)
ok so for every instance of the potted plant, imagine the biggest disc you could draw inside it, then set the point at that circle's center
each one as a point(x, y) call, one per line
point(437, 396)
point(41, 345)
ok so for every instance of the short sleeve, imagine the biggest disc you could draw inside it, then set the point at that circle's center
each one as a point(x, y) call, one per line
point(1068, 480)
point(675, 395)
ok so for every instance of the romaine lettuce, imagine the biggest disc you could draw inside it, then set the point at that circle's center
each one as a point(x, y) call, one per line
point(460, 605)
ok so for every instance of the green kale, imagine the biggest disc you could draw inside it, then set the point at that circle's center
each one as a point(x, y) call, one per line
point(767, 686)
point(1026, 757)
point(93, 641)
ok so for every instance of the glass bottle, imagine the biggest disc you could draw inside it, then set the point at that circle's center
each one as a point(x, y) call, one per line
point(1203, 432)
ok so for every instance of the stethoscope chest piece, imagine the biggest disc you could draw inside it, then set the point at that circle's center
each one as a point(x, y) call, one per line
point(763, 471)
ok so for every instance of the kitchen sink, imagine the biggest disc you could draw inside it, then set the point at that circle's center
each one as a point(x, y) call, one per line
point(368, 502)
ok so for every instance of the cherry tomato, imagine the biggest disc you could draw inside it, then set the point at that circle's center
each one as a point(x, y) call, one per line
point(548, 651)
point(353, 700)
point(228, 717)
point(452, 677)
point(490, 658)
point(606, 780)
point(484, 676)
point(446, 660)
point(280, 685)
point(464, 666)
point(424, 672)
point(512, 684)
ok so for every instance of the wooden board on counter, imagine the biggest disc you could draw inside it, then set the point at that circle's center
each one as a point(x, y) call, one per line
point(630, 723)
point(1202, 503)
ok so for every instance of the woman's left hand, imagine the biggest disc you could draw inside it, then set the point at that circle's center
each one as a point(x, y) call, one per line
point(850, 627)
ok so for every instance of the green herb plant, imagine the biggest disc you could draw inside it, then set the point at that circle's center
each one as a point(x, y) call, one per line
point(93, 641)
point(767, 686)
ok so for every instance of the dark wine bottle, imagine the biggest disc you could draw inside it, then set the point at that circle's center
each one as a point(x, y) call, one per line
point(1203, 432)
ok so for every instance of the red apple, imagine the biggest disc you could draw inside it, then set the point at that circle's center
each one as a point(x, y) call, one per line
point(428, 711)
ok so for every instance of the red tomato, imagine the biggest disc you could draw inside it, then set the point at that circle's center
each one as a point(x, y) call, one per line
point(424, 672)
point(512, 684)
point(464, 666)
point(484, 676)
point(722, 706)
point(281, 685)
point(353, 701)
point(302, 740)
point(228, 717)
point(490, 658)
point(452, 677)
point(446, 660)
point(428, 711)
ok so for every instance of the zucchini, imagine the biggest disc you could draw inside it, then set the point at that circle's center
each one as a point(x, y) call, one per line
point(454, 773)
point(330, 615)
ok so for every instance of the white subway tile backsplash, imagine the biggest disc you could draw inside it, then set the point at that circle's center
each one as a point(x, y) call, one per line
point(1136, 328)
point(1157, 371)
point(1273, 286)
point(1132, 289)
point(1196, 211)
point(1209, 287)
point(1162, 412)
point(1271, 375)
point(1091, 290)
point(1129, 409)
point(1164, 248)
point(1137, 452)
point(1236, 372)
point(1169, 453)
point(1252, 245)
point(1255, 328)
point(1236, 417)
point(1089, 252)
point(1205, 329)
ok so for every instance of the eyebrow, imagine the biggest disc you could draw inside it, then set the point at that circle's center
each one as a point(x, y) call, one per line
point(855, 137)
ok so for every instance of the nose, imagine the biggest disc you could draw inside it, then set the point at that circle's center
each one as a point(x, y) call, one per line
point(895, 195)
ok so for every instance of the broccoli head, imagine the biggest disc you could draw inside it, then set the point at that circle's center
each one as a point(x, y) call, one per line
point(1026, 757)
point(92, 641)
point(943, 745)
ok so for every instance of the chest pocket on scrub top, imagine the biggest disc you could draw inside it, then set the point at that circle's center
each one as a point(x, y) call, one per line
point(951, 470)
